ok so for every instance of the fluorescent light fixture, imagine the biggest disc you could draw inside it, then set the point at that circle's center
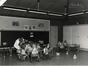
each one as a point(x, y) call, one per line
point(37, 12)
point(86, 12)
point(2, 2)
point(75, 14)
point(14, 9)
point(55, 14)
point(45, 13)
point(17, 9)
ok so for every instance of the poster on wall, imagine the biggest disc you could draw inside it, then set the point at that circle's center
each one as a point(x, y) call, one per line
point(15, 23)
point(18, 23)
point(27, 27)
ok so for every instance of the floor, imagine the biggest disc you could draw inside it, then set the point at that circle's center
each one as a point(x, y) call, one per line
point(62, 59)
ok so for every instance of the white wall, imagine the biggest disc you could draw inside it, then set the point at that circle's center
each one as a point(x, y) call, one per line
point(0, 38)
point(67, 34)
point(53, 35)
point(6, 23)
point(76, 34)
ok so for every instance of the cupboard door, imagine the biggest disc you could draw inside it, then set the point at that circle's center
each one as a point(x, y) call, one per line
point(83, 36)
point(67, 34)
point(75, 35)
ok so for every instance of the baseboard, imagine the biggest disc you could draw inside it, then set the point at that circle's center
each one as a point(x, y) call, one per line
point(84, 49)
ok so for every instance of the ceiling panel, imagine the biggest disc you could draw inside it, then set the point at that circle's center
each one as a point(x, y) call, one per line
point(22, 3)
point(53, 5)
point(76, 6)
point(46, 5)
point(57, 6)
point(85, 3)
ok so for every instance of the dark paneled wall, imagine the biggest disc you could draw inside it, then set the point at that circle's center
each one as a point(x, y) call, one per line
point(60, 32)
point(11, 36)
point(60, 28)
point(75, 20)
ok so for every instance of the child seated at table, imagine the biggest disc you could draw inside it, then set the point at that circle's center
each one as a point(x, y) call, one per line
point(45, 51)
point(59, 47)
point(23, 53)
point(34, 53)
point(28, 50)
point(17, 46)
point(65, 43)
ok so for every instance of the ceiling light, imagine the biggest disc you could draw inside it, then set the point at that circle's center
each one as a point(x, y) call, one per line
point(75, 14)
point(32, 11)
point(86, 12)
point(55, 14)
point(2, 2)
point(14, 9)
point(37, 12)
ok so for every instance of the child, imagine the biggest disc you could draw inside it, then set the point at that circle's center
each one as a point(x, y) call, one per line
point(65, 47)
point(28, 50)
point(65, 43)
point(45, 51)
point(23, 53)
point(34, 53)
point(17, 46)
point(59, 48)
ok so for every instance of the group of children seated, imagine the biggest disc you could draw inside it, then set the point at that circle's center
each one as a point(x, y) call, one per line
point(61, 47)
point(65, 47)
point(37, 50)
point(29, 49)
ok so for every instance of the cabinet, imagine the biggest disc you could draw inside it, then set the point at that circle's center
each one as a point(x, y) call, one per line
point(76, 34)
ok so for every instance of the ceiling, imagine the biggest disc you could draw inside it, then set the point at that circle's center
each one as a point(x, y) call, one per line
point(57, 6)
point(46, 5)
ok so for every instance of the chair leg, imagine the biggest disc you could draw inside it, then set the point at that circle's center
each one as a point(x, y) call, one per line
point(10, 51)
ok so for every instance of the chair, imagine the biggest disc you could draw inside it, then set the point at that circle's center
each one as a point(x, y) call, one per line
point(35, 55)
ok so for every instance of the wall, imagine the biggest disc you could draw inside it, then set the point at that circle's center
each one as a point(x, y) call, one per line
point(76, 34)
point(11, 36)
point(53, 35)
point(6, 24)
point(67, 34)
point(35, 24)
point(56, 32)
point(0, 38)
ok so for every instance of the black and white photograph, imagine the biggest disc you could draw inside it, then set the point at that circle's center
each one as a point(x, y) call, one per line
point(44, 32)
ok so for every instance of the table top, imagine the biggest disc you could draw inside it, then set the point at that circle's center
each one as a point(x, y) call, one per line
point(73, 45)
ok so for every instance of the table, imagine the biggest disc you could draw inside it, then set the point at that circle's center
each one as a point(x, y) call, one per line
point(74, 48)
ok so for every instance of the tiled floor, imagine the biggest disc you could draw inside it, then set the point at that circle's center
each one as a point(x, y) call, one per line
point(63, 59)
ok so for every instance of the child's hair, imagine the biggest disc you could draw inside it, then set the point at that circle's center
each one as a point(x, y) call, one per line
point(65, 41)
point(23, 45)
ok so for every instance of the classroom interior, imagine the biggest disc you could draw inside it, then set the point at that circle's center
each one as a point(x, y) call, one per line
point(53, 23)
